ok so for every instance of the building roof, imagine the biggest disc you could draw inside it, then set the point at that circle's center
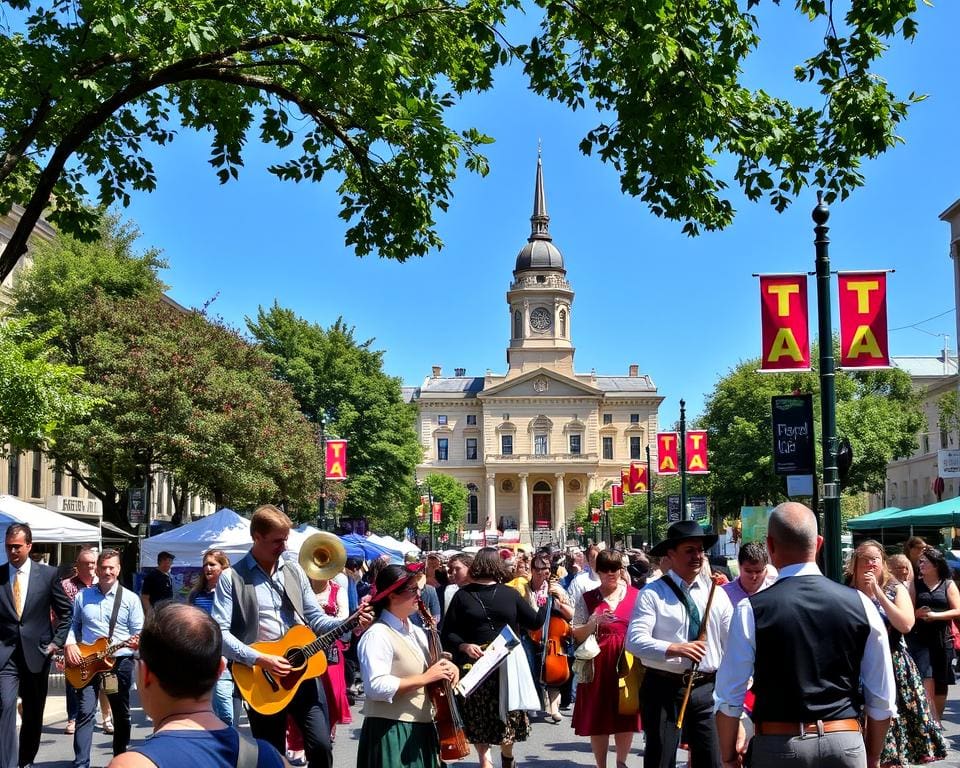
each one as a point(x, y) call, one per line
point(473, 385)
point(641, 383)
point(539, 252)
point(926, 366)
point(409, 394)
point(453, 385)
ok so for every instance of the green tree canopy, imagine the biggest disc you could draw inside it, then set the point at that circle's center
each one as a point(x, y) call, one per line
point(86, 86)
point(341, 381)
point(452, 495)
point(877, 411)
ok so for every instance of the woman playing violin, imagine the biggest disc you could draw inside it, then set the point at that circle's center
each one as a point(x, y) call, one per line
point(398, 726)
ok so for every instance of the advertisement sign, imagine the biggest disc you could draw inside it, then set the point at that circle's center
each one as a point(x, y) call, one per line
point(136, 506)
point(863, 320)
point(673, 509)
point(668, 462)
point(793, 438)
point(784, 325)
point(699, 510)
point(616, 495)
point(948, 463)
point(336, 459)
point(638, 478)
point(696, 444)
point(437, 511)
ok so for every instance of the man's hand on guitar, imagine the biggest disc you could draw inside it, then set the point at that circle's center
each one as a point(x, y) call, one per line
point(134, 642)
point(71, 653)
point(275, 665)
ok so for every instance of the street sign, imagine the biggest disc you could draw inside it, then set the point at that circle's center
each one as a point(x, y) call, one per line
point(793, 438)
point(136, 506)
point(673, 509)
point(698, 508)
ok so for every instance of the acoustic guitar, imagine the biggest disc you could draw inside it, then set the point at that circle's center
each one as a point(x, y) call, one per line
point(267, 693)
point(98, 657)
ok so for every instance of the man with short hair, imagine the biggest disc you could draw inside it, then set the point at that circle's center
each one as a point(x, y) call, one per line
point(29, 593)
point(104, 610)
point(753, 560)
point(180, 663)
point(263, 598)
point(664, 634)
point(157, 585)
point(587, 579)
point(806, 712)
point(85, 571)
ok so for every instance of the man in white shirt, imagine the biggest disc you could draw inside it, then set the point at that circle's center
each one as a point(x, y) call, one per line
point(586, 579)
point(664, 633)
point(807, 711)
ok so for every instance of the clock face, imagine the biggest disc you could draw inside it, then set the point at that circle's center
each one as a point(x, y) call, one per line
point(541, 319)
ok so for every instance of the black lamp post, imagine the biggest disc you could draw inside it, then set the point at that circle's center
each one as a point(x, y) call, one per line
point(649, 501)
point(684, 514)
point(322, 509)
point(828, 406)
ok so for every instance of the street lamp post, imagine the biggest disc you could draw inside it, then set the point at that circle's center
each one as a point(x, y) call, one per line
point(831, 475)
point(649, 501)
point(322, 509)
point(684, 514)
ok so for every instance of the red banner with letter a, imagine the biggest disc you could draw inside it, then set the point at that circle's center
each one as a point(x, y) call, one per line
point(668, 462)
point(863, 320)
point(336, 459)
point(784, 323)
point(697, 463)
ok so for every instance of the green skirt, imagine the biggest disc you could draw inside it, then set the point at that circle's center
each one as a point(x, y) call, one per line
point(390, 743)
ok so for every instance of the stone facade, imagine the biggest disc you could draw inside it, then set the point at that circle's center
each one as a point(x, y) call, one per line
point(531, 444)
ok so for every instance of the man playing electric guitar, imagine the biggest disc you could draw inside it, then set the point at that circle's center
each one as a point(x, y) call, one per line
point(260, 599)
point(104, 610)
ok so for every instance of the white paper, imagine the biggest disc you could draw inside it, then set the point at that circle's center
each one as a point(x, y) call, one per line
point(492, 658)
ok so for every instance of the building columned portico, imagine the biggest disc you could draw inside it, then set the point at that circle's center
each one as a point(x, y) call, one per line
point(532, 443)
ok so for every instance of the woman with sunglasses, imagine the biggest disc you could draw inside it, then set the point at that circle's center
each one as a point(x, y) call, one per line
point(605, 611)
point(398, 726)
point(937, 604)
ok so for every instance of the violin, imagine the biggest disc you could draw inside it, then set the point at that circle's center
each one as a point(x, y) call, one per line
point(453, 741)
point(554, 663)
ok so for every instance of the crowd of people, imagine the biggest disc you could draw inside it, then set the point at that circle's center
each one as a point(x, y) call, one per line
point(621, 643)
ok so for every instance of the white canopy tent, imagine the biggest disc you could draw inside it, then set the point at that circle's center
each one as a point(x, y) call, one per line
point(404, 547)
point(47, 526)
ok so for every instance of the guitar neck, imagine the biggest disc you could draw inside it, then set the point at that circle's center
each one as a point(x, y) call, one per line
point(327, 639)
point(112, 649)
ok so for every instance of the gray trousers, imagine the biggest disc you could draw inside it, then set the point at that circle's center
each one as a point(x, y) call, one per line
point(844, 749)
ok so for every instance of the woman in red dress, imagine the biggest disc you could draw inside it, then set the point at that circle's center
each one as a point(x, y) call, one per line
point(605, 611)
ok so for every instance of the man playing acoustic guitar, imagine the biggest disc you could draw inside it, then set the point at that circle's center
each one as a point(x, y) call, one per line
point(263, 598)
point(105, 610)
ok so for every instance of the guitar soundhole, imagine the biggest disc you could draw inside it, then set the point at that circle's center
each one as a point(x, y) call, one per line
point(296, 658)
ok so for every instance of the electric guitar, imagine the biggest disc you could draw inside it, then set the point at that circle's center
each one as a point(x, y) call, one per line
point(97, 657)
point(268, 693)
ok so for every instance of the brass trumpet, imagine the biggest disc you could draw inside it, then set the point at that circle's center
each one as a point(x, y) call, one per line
point(322, 556)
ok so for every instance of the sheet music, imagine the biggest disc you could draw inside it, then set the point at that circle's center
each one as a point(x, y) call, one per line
point(492, 658)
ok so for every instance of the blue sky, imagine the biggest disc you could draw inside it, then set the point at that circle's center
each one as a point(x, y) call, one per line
point(686, 310)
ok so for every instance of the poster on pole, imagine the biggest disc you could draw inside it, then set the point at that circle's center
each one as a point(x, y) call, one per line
point(668, 461)
point(793, 438)
point(673, 509)
point(336, 455)
point(863, 320)
point(784, 323)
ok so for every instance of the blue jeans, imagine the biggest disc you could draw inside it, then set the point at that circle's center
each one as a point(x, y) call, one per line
point(73, 702)
point(86, 714)
point(223, 698)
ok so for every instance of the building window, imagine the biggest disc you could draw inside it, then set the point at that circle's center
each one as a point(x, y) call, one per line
point(442, 451)
point(442, 421)
point(563, 323)
point(944, 439)
point(471, 449)
point(58, 482)
point(517, 325)
point(608, 418)
point(575, 444)
point(506, 445)
point(540, 445)
point(608, 447)
point(924, 444)
point(35, 475)
point(634, 418)
point(13, 473)
point(634, 447)
point(74, 487)
point(471, 419)
point(473, 509)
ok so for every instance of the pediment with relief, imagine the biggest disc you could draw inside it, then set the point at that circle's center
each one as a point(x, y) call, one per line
point(541, 383)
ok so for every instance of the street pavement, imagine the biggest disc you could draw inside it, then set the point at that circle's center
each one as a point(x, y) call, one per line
point(549, 746)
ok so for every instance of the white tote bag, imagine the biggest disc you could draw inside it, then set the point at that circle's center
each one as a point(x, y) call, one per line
point(517, 689)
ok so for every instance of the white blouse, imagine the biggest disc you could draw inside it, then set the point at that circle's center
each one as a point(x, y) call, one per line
point(375, 653)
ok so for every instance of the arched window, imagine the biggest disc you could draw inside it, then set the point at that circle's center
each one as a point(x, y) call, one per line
point(473, 508)
point(541, 487)
point(517, 325)
point(563, 323)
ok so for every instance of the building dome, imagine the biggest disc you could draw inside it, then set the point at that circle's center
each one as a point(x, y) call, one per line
point(539, 252)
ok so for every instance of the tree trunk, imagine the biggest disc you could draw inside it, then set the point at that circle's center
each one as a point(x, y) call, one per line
point(181, 496)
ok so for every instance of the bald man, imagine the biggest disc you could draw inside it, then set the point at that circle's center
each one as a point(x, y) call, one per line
point(808, 643)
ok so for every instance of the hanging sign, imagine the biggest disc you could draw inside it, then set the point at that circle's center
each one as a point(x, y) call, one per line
point(437, 508)
point(793, 438)
point(784, 325)
point(863, 320)
point(616, 495)
point(638, 478)
point(668, 462)
point(696, 444)
point(336, 459)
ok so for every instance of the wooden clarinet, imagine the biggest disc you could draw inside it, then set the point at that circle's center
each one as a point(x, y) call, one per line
point(702, 635)
point(453, 741)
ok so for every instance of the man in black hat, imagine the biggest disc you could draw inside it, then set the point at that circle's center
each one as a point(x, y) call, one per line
point(664, 634)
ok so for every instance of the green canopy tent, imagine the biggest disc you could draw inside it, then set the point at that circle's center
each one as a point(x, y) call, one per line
point(872, 520)
point(940, 514)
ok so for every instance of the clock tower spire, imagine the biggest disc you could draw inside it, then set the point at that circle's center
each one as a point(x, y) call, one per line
point(540, 298)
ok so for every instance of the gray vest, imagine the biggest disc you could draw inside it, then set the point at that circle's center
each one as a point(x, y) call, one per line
point(245, 617)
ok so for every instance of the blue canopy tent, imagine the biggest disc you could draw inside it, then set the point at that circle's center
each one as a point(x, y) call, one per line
point(359, 546)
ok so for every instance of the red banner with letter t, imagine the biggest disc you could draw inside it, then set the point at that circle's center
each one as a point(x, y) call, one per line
point(863, 320)
point(336, 459)
point(784, 323)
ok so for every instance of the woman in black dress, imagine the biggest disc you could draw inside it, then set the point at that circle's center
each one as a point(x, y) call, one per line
point(477, 613)
point(938, 603)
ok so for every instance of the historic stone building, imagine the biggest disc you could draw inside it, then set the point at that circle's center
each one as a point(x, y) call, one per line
point(531, 444)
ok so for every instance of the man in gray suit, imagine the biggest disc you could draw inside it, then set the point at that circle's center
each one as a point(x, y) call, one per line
point(29, 592)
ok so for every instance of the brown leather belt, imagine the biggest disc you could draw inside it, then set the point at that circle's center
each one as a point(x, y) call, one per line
point(803, 729)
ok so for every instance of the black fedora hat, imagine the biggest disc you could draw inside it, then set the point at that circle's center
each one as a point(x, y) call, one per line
point(684, 529)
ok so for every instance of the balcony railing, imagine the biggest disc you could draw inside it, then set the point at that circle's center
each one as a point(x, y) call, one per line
point(534, 458)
